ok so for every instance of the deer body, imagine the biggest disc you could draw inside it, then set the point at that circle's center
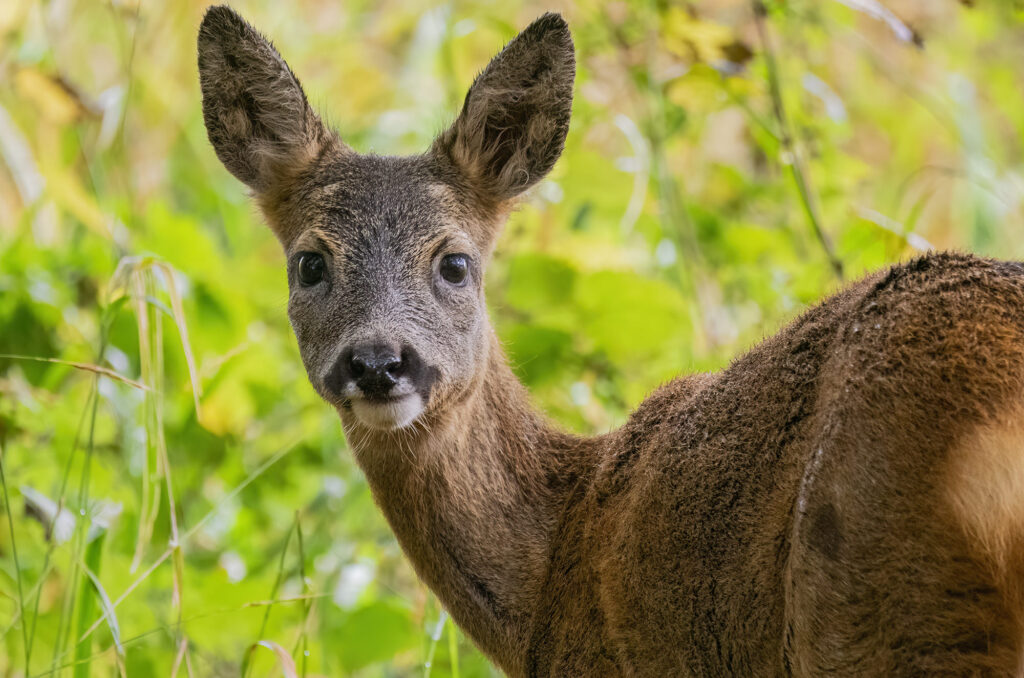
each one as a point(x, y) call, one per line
point(796, 514)
point(845, 499)
point(781, 517)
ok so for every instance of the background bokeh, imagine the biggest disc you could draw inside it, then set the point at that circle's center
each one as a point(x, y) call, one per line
point(179, 494)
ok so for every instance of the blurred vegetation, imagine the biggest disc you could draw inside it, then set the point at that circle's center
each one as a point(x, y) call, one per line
point(176, 500)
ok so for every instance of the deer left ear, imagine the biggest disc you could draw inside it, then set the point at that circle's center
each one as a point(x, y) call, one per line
point(257, 116)
point(513, 123)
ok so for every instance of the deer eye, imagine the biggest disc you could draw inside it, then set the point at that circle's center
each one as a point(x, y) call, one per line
point(311, 268)
point(454, 268)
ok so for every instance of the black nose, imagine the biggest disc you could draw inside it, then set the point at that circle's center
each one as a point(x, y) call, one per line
point(375, 368)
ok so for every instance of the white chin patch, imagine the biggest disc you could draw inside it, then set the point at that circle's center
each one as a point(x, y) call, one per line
point(386, 416)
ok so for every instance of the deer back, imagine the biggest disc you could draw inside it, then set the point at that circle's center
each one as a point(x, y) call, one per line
point(815, 507)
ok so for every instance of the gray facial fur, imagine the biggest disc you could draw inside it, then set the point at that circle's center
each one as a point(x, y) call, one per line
point(383, 224)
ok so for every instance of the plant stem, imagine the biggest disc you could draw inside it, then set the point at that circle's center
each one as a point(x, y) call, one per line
point(453, 647)
point(307, 605)
point(17, 563)
point(273, 595)
point(796, 165)
point(87, 608)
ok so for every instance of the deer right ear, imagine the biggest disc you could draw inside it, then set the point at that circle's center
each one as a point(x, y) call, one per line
point(513, 123)
point(257, 116)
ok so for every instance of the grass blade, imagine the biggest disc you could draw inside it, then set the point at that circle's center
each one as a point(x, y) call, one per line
point(87, 367)
point(65, 478)
point(453, 647)
point(302, 645)
point(17, 562)
point(125, 642)
point(435, 638)
point(179, 321)
point(284, 659)
point(86, 607)
point(108, 612)
point(273, 594)
point(64, 629)
point(273, 459)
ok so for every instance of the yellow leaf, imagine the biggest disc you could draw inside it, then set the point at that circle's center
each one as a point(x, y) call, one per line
point(696, 40)
point(68, 192)
point(700, 90)
point(12, 14)
point(55, 101)
point(228, 409)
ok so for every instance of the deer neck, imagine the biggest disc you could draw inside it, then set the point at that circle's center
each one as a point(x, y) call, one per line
point(474, 497)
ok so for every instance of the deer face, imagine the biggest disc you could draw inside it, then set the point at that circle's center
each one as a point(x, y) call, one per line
point(386, 290)
point(386, 256)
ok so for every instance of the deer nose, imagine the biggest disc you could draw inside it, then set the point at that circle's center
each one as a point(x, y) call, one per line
point(375, 369)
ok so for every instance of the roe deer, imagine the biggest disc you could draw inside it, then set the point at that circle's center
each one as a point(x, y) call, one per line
point(845, 499)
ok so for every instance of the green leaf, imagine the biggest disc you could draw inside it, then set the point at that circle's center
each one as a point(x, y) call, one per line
point(371, 634)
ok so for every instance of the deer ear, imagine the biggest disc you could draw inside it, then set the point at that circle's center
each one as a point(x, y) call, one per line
point(513, 123)
point(257, 116)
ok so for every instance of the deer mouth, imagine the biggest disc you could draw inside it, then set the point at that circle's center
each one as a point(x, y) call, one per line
point(387, 413)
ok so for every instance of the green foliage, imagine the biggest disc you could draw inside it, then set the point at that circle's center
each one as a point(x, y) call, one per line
point(179, 502)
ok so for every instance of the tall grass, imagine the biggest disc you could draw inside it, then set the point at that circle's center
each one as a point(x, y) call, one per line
point(171, 384)
point(14, 552)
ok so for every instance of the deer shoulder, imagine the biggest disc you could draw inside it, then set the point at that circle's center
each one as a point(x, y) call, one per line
point(865, 463)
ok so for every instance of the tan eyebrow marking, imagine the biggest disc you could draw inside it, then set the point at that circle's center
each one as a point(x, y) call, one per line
point(323, 238)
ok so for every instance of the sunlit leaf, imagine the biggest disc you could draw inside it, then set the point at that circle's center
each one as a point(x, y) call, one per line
point(371, 634)
point(52, 97)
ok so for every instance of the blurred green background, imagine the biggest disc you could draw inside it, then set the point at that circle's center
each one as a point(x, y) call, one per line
point(178, 502)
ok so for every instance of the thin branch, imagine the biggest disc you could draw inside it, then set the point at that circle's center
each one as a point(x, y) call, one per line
point(273, 459)
point(17, 562)
point(87, 367)
point(796, 165)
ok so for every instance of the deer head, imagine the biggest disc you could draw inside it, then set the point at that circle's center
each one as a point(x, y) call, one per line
point(387, 255)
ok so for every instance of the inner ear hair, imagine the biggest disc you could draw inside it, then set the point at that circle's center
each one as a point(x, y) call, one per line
point(515, 118)
point(257, 116)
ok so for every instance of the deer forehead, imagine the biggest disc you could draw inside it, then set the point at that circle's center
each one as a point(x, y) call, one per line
point(378, 212)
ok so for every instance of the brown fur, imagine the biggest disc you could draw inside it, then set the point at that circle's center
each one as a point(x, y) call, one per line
point(844, 499)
